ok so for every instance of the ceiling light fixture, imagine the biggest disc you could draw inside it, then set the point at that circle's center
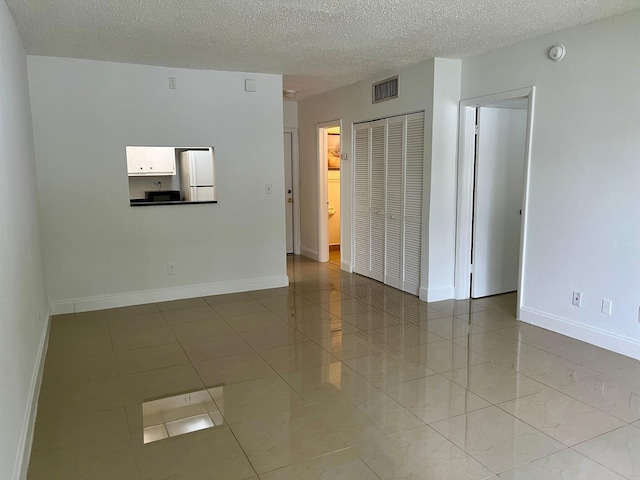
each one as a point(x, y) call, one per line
point(289, 93)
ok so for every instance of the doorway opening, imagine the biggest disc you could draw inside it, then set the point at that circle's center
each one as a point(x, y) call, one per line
point(492, 195)
point(329, 185)
point(291, 195)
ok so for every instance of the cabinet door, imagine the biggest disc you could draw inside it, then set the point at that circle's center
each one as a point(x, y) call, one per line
point(136, 163)
point(161, 160)
point(412, 234)
point(377, 199)
point(361, 199)
point(394, 191)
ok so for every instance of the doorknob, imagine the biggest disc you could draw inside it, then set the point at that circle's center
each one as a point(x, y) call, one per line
point(290, 200)
point(289, 192)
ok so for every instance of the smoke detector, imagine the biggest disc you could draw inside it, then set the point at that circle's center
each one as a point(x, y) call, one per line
point(557, 52)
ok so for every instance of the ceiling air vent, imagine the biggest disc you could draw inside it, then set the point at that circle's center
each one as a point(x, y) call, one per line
point(385, 90)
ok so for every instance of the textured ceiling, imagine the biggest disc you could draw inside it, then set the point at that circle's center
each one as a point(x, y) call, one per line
point(318, 45)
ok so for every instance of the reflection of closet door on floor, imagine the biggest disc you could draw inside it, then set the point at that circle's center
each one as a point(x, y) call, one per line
point(288, 185)
point(498, 200)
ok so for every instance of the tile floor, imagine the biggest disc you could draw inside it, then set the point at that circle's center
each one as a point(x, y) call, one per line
point(335, 377)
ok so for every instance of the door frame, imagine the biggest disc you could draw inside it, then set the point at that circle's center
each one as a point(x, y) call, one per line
point(295, 172)
point(466, 168)
point(323, 219)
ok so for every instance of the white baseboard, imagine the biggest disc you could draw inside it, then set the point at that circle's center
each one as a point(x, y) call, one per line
point(586, 333)
point(307, 252)
point(346, 266)
point(28, 424)
point(166, 294)
point(436, 294)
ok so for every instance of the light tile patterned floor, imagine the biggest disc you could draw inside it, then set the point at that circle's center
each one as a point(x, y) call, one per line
point(335, 377)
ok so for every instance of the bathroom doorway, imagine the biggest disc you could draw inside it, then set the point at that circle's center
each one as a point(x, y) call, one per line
point(329, 158)
point(333, 193)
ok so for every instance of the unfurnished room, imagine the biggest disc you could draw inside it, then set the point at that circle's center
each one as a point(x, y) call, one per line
point(320, 240)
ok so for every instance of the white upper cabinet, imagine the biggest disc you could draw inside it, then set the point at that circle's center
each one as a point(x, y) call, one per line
point(151, 161)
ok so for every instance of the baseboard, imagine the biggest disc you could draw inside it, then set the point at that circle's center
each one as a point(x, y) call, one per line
point(59, 308)
point(29, 422)
point(586, 333)
point(346, 266)
point(436, 294)
point(307, 252)
point(167, 294)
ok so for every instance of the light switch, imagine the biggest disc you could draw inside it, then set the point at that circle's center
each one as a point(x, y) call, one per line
point(250, 85)
point(268, 189)
point(606, 306)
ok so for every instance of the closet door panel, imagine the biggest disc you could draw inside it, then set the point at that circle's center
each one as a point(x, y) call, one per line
point(412, 215)
point(361, 199)
point(377, 199)
point(393, 210)
point(411, 267)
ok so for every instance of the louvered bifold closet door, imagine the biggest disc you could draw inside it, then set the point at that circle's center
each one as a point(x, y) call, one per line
point(413, 177)
point(394, 193)
point(377, 199)
point(361, 199)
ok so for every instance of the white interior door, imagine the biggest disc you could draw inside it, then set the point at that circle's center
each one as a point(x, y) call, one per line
point(288, 187)
point(498, 200)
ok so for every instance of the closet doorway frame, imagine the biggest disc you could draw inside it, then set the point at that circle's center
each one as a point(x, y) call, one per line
point(466, 168)
point(323, 218)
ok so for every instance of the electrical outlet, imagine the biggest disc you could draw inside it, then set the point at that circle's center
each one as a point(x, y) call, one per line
point(156, 183)
point(577, 299)
point(607, 305)
point(172, 83)
point(171, 269)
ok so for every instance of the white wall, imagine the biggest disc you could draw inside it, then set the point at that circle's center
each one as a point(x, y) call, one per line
point(441, 150)
point(584, 203)
point(290, 114)
point(23, 297)
point(350, 104)
point(95, 244)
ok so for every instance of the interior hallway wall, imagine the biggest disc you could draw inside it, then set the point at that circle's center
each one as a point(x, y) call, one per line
point(23, 296)
point(432, 86)
point(290, 114)
point(583, 226)
point(349, 104)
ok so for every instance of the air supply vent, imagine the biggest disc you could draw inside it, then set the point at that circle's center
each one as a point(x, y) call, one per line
point(385, 90)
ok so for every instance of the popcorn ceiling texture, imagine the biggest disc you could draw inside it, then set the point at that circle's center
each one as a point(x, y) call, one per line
point(318, 45)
